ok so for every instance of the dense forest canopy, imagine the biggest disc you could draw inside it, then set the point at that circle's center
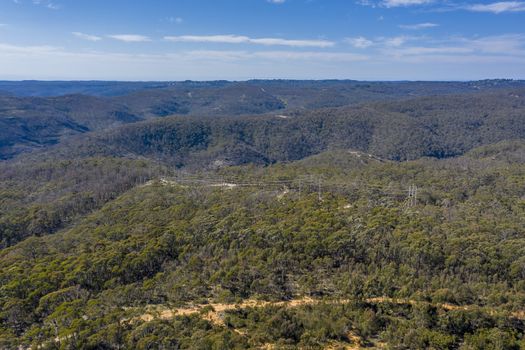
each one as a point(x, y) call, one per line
point(31, 120)
point(262, 215)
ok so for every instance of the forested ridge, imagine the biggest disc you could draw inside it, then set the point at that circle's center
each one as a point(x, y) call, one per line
point(171, 244)
point(437, 127)
point(32, 118)
point(263, 215)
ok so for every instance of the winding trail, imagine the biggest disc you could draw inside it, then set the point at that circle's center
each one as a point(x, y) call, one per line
point(214, 312)
point(211, 311)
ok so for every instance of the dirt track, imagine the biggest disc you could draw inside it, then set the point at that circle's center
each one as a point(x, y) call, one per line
point(215, 309)
point(214, 312)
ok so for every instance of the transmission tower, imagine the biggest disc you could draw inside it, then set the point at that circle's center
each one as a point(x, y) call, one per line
point(412, 196)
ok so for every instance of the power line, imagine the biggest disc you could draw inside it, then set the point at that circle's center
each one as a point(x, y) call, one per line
point(301, 183)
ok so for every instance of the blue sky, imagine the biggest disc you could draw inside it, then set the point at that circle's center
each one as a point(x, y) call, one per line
point(245, 39)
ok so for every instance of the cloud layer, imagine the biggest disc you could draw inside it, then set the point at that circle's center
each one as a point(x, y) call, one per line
point(86, 36)
point(240, 39)
point(448, 5)
point(498, 7)
point(453, 59)
point(398, 3)
point(130, 38)
point(418, 26)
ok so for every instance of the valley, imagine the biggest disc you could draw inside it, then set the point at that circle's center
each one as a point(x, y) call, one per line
point(387, 221)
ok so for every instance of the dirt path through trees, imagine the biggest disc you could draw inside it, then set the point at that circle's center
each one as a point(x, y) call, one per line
point(214, 312)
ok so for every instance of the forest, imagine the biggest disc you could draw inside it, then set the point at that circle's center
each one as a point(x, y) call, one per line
point(376, 220)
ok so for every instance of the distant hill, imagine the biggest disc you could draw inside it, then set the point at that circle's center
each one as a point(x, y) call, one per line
point(439, 127)
point(29, 122)
point(57, 88)
point(37, 88)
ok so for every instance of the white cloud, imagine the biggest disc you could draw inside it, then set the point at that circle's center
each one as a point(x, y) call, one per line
point(449, 5)
point(189, 55)
point(370, 3)
point(130, 38)
point(241, 39)
point(46, 3)
point(359, 42)
point(293, 43)
point(9, 50)
point(380, 42)
point(47, 62)
point(508, 48)
point(400, 3)
point(227, 39)
point(418, 26)
point(88, 37)
point(395, 41)
point(172, 19)
point(498, 7)
point(277, 1)
point(508, 44)
point(452, 58)
point(393, 3)
point(275, 55)
point(311, 56)
point(422, 50)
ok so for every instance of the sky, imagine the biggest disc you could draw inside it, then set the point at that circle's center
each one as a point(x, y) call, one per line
point(261, 39)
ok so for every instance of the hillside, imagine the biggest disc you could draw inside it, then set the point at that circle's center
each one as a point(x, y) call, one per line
point(263, 215)
point(28, 123)
point(262, 175)
point(31, 118)
point(39, 198)
point(436, 127)
point(262, 233)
